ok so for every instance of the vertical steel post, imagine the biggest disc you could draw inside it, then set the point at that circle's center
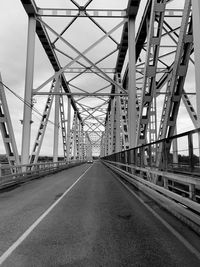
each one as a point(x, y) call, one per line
point(79, 140)
point(109, 134)
point(112, 121)
point(117, 118)
point(26, 132)
point(106, 137)
point(68, 127)
point(56, 122)
point(196, 36)
point(196, 25)
point(132, 115)
point(74, 137)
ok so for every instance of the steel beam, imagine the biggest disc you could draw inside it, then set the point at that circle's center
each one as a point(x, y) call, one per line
point(131, 83)
point(68, 127)
point(7, 129)
point(118, 129)
point(83, 13)
point(196, 24)
point(42, 127)
point(26, 132)
point(82, 94)
point(56, 122)
point(149, 84)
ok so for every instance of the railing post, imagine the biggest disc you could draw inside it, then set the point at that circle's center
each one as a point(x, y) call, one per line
point(150, 156)
point(165, 182)
point(164, 156)
point(192, 191)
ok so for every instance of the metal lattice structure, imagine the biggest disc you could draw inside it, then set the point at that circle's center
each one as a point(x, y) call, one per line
point(122, 74)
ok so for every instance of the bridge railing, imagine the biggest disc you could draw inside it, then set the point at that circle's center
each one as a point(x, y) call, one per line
point(175, 183)
point(179, 153)
point(14, 174)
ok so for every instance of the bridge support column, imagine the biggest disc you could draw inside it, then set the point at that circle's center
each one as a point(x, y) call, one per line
point(196, 36)
point(132, 115)
point(196, 23)
point(68, 128)
point(79, 141)
point(56, 122)
point(26, 132)
point(109, 134)
point(117, 118)
point(106, 138)
point(74, 136)
point(112, 120)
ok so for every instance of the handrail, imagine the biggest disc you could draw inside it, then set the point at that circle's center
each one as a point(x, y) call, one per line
point(180, 202)
point(14, 174)
point(186, 159)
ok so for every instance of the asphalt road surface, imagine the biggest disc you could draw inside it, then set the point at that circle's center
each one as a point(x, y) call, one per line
point(84, 217)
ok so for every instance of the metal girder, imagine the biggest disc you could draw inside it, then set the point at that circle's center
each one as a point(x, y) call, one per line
point(50, 49)
point(86, 68)
point(73, 138)
point(149, 83)
point(175, 84)
point(56, 122)
point(78, 70)
point(139, 41)
point(42, 127)
point(68, 128)
point(7, 129)
point(31, 9)
point(82, 13)
point(113, 126)
point(190, 109)
point(82, 136)
point(63, 126)
point(123, 107)
point(93, 131)
point(80, 55)
point(81, 94)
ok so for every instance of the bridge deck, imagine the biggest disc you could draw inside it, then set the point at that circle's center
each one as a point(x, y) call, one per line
point(97, 222)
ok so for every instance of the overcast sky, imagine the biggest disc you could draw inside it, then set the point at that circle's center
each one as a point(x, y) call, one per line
point(13, 36)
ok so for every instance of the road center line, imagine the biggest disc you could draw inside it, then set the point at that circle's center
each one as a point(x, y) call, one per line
point(10, 250)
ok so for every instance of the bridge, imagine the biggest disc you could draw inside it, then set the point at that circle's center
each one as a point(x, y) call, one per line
point(100, 154)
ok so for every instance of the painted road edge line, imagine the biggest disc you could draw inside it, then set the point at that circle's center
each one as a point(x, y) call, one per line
point(10, 250)
point(168, 226)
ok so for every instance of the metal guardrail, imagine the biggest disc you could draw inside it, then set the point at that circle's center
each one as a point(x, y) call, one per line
point(11, 175)
point(180, 154)
point(182, 207)
point(175, 183)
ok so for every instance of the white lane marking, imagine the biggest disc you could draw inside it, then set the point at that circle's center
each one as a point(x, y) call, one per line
point(168, 226)
point(10, 250)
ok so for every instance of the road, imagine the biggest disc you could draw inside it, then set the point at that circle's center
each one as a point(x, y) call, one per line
point(71, 219)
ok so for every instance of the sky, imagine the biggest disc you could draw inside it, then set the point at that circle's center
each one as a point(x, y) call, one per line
point(13, 36)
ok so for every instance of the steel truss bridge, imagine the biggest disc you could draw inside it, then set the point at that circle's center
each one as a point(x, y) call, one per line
point(124, 88)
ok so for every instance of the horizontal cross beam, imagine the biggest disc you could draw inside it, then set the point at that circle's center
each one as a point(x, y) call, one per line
point(81, 12)
point(79, 94)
